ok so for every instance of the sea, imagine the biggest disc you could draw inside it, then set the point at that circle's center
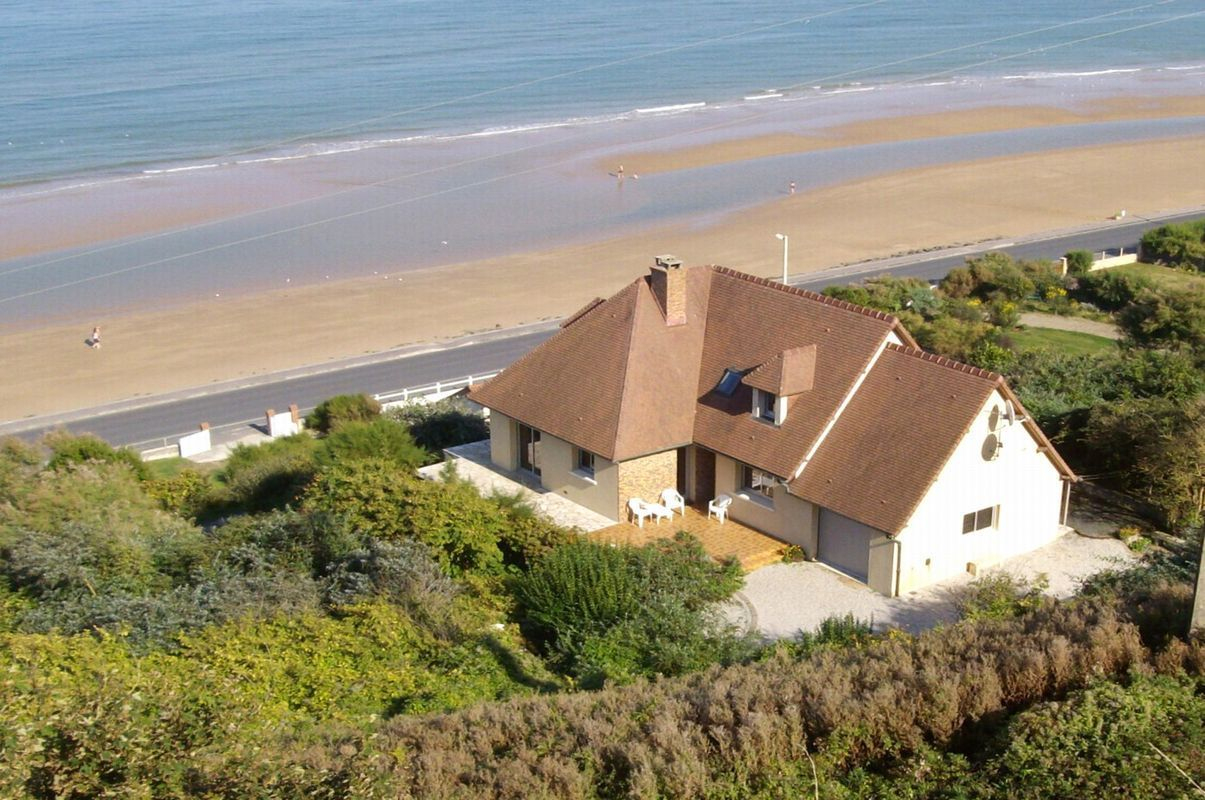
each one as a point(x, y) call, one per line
point(95, 88)
point(354, 139)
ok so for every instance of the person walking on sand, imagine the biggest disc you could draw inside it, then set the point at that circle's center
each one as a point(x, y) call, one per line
point(619, 173)
point(791, 188)
point(94, 342)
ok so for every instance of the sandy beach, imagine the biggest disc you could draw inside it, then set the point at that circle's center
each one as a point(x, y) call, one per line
point(50, 369)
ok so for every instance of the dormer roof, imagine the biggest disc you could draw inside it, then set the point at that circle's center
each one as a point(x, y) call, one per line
point(789, 373)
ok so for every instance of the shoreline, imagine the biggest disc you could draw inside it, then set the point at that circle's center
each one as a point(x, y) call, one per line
point(206, 342)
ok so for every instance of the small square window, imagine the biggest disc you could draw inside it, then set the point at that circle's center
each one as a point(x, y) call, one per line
point(585, 463)
point(756, 481)
point(764, 405)
point(981, 519)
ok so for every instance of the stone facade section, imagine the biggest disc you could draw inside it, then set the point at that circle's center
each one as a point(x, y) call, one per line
point(646, 478)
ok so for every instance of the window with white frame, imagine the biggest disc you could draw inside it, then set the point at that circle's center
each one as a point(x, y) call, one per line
point(756, 481)
point(979, 520)
point(764, 406)
point(584, 462)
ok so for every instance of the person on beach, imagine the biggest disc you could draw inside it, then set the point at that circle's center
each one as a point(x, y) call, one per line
point(791, 188)
point(619, 173)
point(94, 341)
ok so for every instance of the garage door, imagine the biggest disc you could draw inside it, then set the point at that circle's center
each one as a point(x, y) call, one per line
point(845, 544)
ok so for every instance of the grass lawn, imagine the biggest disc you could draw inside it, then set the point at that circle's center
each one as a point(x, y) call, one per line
point(1164, 276)
point(1071, 342)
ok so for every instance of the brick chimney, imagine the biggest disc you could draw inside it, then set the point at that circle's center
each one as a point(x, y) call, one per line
point(668, 281)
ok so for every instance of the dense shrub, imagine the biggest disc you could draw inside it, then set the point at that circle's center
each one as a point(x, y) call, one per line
point(889, 293)
point(1079, 262)
point(382, 439)
point(443, 424)
point(610, 613)
point(1156, 449)
point(333, 412)
point(1165, 319)
point(67, 448)
point(1102, 742)
point(463, 529)
point(186, 494)
point(1180, 244)
point(271, 475)
point(225, 714)
point(737, 731)
point(1109, 289)
point(999, 596)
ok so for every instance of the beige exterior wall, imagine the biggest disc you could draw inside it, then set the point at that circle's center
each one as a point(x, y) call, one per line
point(558, 474)
point(787, 518)
point(646, 478)
point(1021, 480)
point(503, 438)
point(884, 560)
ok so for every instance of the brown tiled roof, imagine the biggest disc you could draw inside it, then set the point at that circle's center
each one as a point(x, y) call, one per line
point(789, 373)
point(895, 436)
point(615, 381)
point(750, 321)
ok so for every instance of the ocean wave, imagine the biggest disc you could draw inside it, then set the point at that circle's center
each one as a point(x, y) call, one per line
point(1042, 75)
point(334, 147)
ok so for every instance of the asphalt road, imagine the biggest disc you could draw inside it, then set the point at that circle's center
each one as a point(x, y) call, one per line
point(231, 411)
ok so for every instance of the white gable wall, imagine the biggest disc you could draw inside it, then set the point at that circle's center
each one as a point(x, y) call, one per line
point(1020, 480)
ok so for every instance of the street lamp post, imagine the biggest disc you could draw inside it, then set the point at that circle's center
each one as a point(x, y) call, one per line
point(786, 241)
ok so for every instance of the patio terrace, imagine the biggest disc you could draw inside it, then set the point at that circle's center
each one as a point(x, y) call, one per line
point(752, 548)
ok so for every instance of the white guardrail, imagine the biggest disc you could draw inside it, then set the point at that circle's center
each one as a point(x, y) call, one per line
point(166, 446)
point(430, 393)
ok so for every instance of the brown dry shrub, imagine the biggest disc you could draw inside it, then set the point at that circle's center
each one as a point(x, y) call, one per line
point(674, 738)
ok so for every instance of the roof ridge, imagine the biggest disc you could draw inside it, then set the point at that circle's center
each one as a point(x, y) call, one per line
point(944, 361)
point(636, 287)
point(581, 312)
point(844, 305)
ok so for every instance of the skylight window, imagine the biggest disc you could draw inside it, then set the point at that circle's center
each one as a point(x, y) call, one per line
point(728, 383)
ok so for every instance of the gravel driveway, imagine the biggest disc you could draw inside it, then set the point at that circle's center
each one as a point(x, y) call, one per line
point(782, 599)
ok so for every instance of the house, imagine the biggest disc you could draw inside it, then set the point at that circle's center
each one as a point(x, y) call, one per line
point(824, 421)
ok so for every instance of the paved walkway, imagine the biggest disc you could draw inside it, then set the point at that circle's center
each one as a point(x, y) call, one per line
point(782, 599)
point(1077, 324)
point(472, 463)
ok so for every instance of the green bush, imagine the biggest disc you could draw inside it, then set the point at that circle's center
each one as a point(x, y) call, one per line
point(67, 448)
point(462, 528)
point(443, 424)
point(1154, 448)
point(1079, 262)
point(998, 277)
point(228, 711)
point(1101, 742)
point(607, 614)
point(1109, 289)
point(271, 475)
point(1180, 244)
point(1173, 319)
point(185, 494)
point(333, 412)
point(1000, 596)
point(380, 438)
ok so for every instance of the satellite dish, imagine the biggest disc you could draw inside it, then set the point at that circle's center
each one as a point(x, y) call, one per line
point(991, 447)
point(993, 419)
point(1010, 411)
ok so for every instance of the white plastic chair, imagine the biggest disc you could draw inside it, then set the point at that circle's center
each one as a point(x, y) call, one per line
point(672, 500)
point(719, 507)
point(639, 509)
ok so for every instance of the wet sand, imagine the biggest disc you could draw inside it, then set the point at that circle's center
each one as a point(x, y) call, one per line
point(50, 368)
